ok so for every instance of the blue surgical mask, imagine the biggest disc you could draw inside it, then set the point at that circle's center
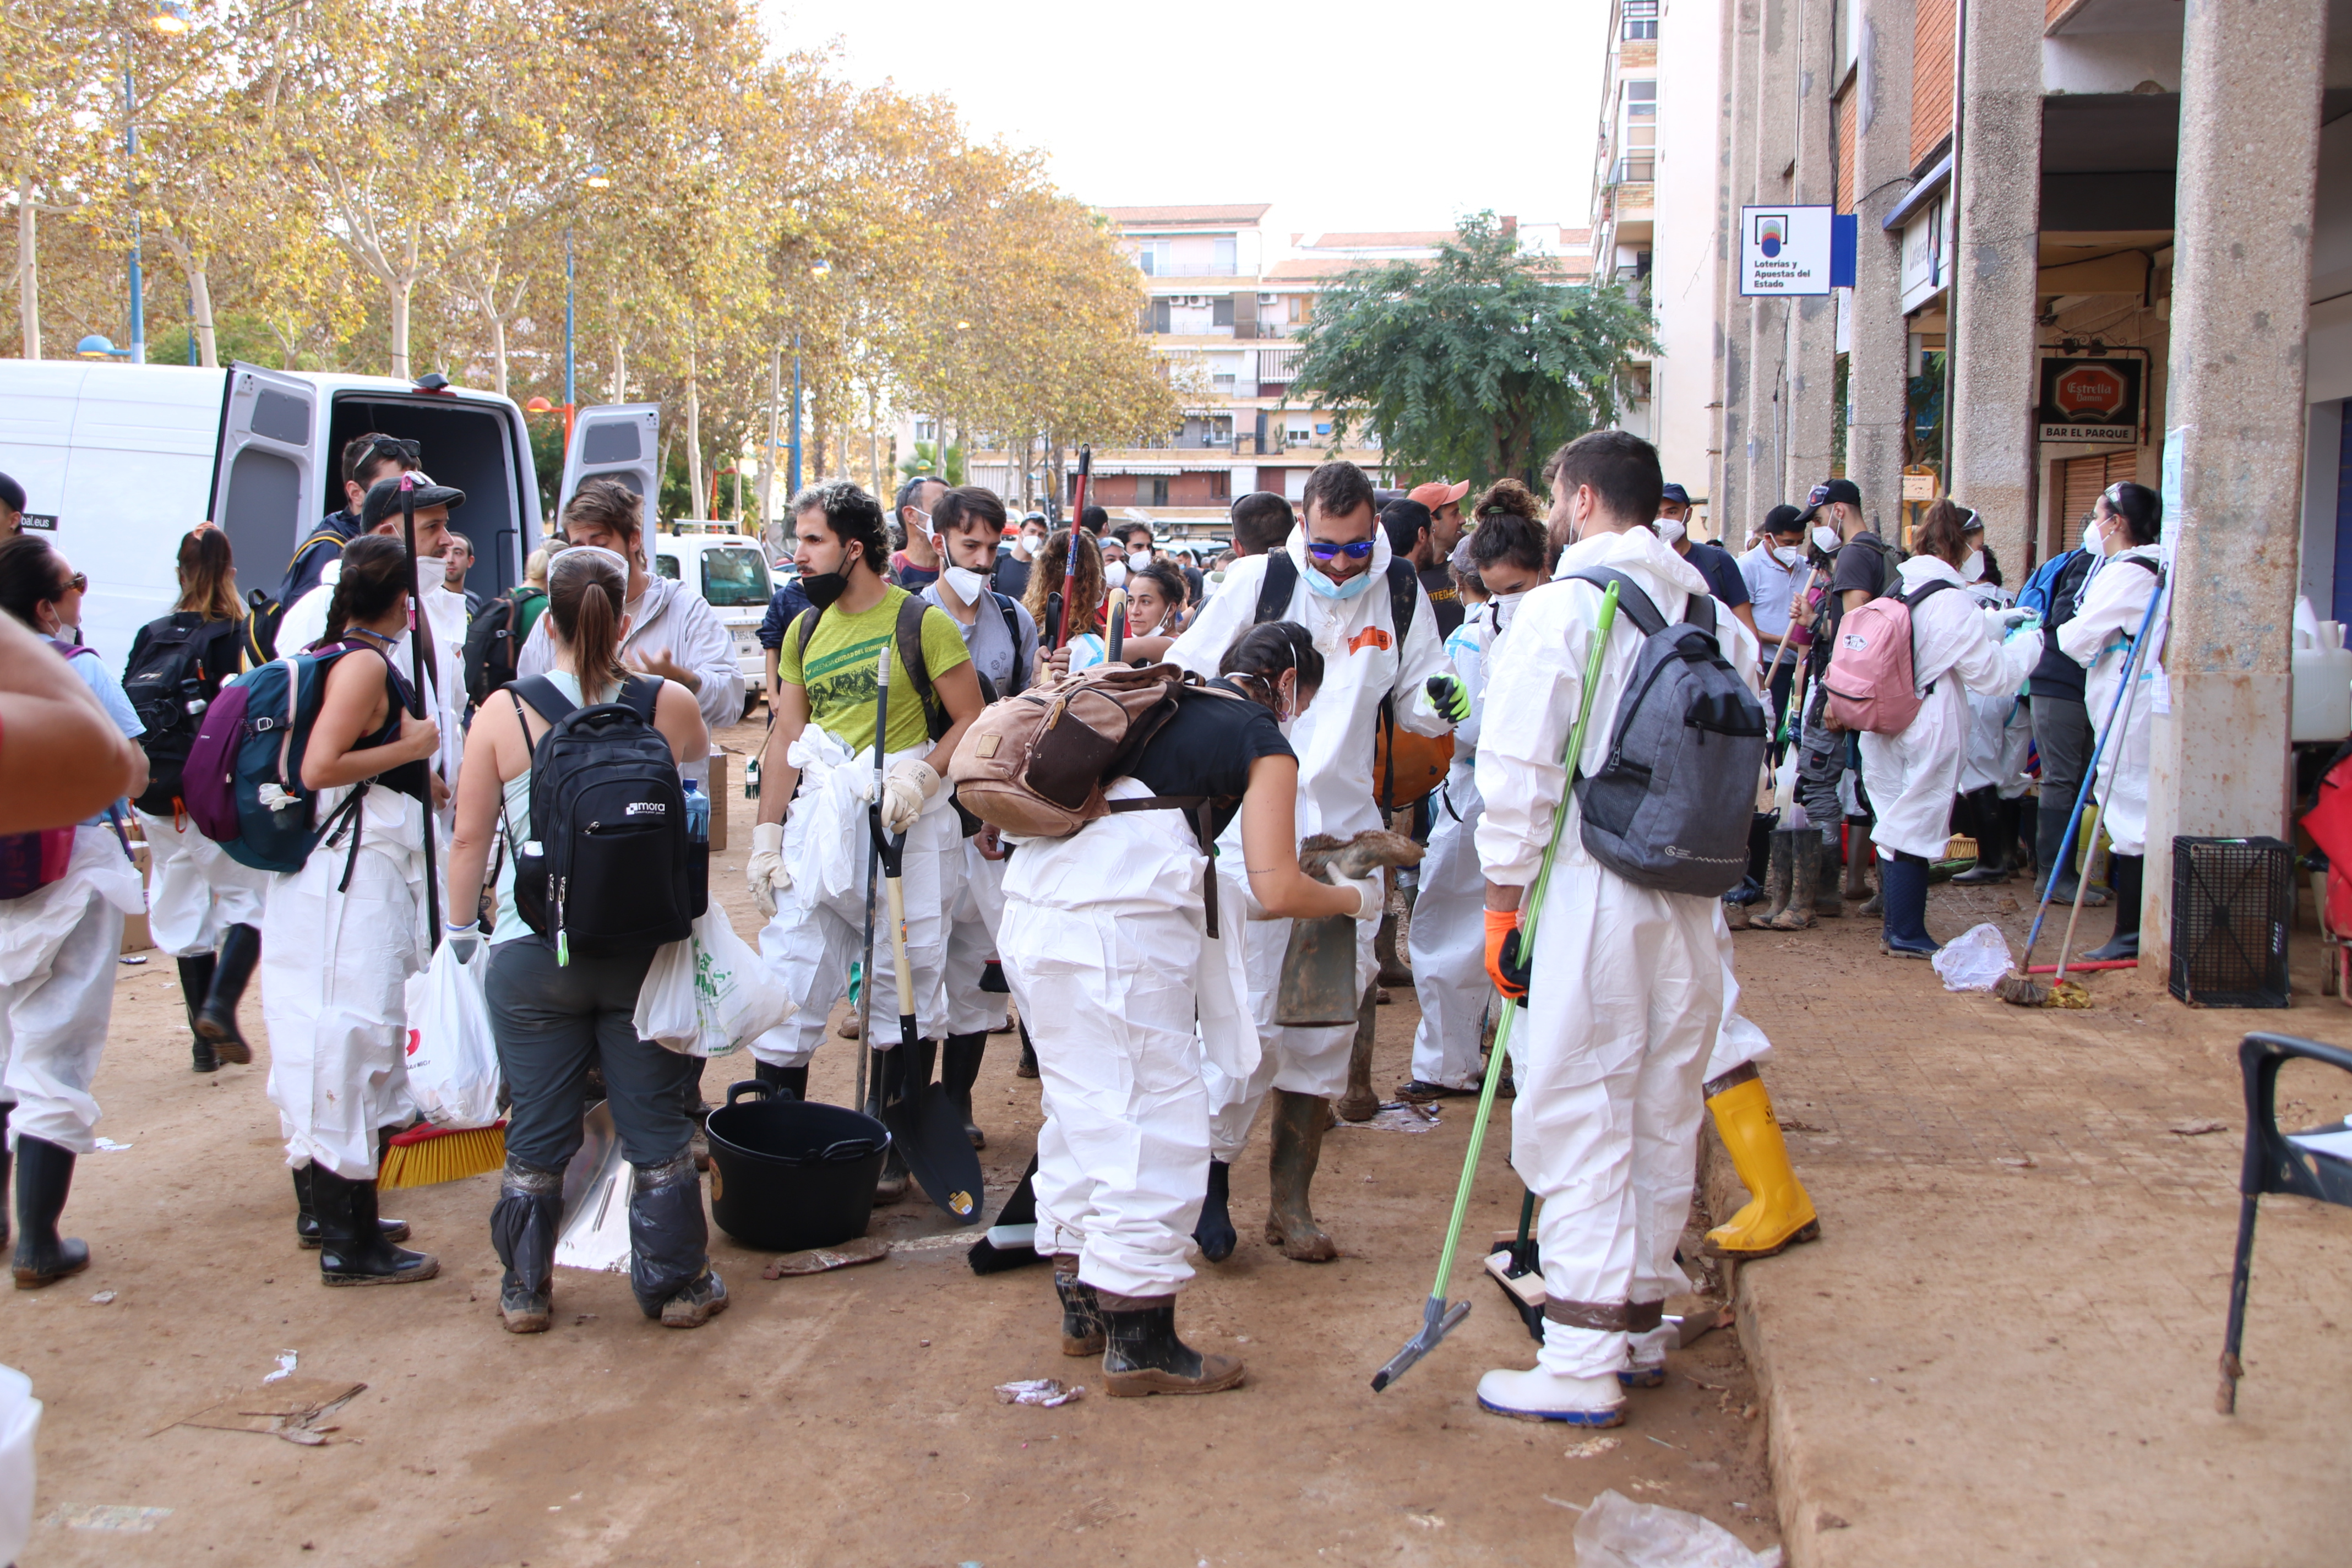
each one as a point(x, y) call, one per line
point(1322, 585)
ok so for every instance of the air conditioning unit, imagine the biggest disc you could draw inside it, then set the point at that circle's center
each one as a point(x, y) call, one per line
point(1268, 298)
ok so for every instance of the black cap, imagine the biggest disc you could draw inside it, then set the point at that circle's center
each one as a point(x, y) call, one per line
point(384, 498)
point(12, 494)
point(1828, 493)
point(1674, 493)
point(1783, 520)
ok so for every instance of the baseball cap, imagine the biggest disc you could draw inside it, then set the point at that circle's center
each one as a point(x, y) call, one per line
point(1438, 493)
point(1828, 493)
point(12, 494)
point(384, 498)
point(1674, 493)
point(1784, 519)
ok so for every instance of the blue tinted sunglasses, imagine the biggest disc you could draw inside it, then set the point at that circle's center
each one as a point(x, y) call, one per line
point(1322, 552)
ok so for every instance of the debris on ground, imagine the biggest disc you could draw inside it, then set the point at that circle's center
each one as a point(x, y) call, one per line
point(109, 1146)
point(2198, 1129)
point(103, 1299)
point(1398, 1116)
point(1975, 960)
point(295, 1410)
point(1590, 1447)
point(108, 1515)
point(819, 1259)
point(1045, 1390)
point(1618, 1532)
point(287, 1362)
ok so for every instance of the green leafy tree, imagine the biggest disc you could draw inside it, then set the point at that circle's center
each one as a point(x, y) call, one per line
point(1477, 362)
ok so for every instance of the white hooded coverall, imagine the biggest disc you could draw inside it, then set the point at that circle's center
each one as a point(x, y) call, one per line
point(1915, 774)
point(194, 891)
point(1334, 739)
point(58, 948)
point(2099, 639)
point(1628, 1003)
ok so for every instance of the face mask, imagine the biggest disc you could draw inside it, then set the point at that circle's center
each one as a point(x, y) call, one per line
point(1671, 530)
point(823, 587)
point(1972, 569)
point(1114, 574)
point(1032, 543)
point(1825, 540)
point(1323, 587)
point(965, 582)
point(2093, 541)
point(1787, 555)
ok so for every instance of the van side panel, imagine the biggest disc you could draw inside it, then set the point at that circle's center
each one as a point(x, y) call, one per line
point(138, 475)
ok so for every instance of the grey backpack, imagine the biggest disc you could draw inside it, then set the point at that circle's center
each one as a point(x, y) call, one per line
point(1670, 807)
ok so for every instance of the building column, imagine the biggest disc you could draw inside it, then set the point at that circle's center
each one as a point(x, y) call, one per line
point(1813, 323)
point(1730, 493)
point(1996, 269)
point(1878, 384)
point(1774, 150)
point(2234, 432)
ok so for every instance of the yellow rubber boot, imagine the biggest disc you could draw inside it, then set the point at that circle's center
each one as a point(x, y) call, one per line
point(1779, 1215)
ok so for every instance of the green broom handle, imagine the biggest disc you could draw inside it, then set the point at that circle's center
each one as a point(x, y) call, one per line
point(1529, 909)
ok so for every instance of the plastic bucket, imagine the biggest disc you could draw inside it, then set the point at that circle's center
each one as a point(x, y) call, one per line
point(787, 1175)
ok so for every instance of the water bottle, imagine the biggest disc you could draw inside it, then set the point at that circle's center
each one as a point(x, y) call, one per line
point(697, 813)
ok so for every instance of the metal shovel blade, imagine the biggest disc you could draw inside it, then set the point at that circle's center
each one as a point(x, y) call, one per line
point(597, 1185)
point(1318, 987)
point(1437, 1321)
point(932, 1142)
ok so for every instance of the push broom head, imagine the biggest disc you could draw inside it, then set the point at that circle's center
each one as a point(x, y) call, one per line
point(426, 1155)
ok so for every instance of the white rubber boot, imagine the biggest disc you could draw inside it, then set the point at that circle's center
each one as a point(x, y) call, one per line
point(1646, 1354)
point(1539, 1395)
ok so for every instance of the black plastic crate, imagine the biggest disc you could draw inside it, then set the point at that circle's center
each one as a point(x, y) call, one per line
point(2233, 905)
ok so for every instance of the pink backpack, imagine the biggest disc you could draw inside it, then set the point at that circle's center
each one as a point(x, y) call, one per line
point(1871, 678)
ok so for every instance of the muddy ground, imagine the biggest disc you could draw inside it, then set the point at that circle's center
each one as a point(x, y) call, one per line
point(842, 1418)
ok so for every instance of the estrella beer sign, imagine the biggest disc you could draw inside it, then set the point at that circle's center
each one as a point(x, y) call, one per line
point(2090, 400)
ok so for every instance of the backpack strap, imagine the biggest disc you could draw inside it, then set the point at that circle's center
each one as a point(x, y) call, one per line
point(545, 698)
point(1273, 592)
point(805, 628)
point(1012, 636)
point(1404, 593)
point(2154, 568)
point(1632, 602)
point(910, 637)
point(1201, 807)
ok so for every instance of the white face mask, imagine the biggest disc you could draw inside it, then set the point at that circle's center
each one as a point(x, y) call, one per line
point(1787, 555)
point(1825, 540)
point(2090, 540)
point(1671, 530)
point(1033, 545)
point(964, 582)
point(1115, 574)
point(1972, 569)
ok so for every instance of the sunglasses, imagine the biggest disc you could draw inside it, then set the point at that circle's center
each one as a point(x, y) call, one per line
point(78, 583)
point(1322, 552)
point(409, 452)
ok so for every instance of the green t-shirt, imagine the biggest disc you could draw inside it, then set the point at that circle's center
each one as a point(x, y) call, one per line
point(839, 676)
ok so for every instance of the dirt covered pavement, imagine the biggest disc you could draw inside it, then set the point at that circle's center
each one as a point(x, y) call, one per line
point(843, 1419)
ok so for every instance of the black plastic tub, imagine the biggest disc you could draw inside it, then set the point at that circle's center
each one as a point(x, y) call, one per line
point(786, 1174)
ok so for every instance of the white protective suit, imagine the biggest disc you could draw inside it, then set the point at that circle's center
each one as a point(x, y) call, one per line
point(1629, 1001)
point(1914, 775)
point(1447, 939)
point(669, 616)
point(1105, 943)
point(334, 966)
point(820, 921)
point(2000, 727)
point(1334, 739)
point(58, 948)
point(2099, 639)
point(194, 891)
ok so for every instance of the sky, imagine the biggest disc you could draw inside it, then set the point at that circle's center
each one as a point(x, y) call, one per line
point(1373, 114)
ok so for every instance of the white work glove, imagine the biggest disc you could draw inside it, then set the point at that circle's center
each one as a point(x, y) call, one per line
point(765, 871)
point(1371, 896)
point(909, 783)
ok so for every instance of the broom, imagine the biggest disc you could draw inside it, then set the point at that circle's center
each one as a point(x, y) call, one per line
point(426, 1155)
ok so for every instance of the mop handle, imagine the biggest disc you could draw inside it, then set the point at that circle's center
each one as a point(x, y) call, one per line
point(2082, 791)
point(1574, 755)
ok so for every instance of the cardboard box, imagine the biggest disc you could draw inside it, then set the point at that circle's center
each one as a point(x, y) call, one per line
point(135, 935)
point(721, 799)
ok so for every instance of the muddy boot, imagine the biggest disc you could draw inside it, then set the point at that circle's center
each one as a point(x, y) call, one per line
point(669, 1253)
point(306, 1217)
point(1028, 1068)
point(785, 1081)
point(1360, 1103)
point(1778, 880)
point(959, 1070)
point(44, 1175)
point(195, 982)
point(2128, 872)
point(1827, 905)
point(240, 950)
point(351, 1246)
point(1299, 1120)
point(1394, 970)
point(524, 1224)
point(1804, 882)
point(1857, 857)
point(1146, 1357)
point(1214, 1233)
point(1082, 1320)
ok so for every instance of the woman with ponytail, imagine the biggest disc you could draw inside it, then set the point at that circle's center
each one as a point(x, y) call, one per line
point(1108, 945)
point(554, 1021)
point(2123, 534)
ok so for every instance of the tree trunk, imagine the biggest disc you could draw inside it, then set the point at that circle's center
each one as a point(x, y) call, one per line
point(661, 468)
point(397, 297)
point(874, 440)
point(200, 305)
point(29, 270)
point(620, 368)
point(498, 348)
point(768, 453)
point(694, 435)
point(824, 430)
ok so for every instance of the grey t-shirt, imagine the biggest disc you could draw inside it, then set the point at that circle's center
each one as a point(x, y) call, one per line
point(1004, 658)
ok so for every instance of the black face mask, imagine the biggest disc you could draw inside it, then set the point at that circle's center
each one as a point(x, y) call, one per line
point(823, 587)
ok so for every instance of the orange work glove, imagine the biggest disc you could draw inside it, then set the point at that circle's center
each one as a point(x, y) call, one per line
point(1504, 966)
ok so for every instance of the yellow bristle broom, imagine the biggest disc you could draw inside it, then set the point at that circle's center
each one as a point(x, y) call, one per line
point(426, 1155)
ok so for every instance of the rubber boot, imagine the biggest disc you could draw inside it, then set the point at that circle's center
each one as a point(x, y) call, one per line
point(1984, 825)
point(1778, 1214)
point(1299, 1120)
point(1394, 970)
point(524, 1224)
point(1735, 915)
point(1146, 1357)
point(2126, 871)
point(195, 982)
point(1082, 1321)
point(1804, 878)
point(240, 950)
point(2049, 839)
point(1827, 904)
point(44, 1176)
point(1535, 1395)
point(1360, 1103)
point(1028, 1065)
point(306, 1217)
point(792, 1081)
point(669, 1246)
point(882, 1076)
point(1779, 878)
point(352, 1245)
point(7, 1109)
point(2005, 815)
point(959, 1070)
point(1857, 856)
point(1902, 881)
point(1215, 1233)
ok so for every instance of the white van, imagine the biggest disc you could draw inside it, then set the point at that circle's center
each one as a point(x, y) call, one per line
point(118, 462)
point(731, 572)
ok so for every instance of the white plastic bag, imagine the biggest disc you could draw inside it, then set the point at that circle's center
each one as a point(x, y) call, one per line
point(20, 1429)
point(453, 1057)
point(1618, 1532)
point(709, 994)
point(1975, 960)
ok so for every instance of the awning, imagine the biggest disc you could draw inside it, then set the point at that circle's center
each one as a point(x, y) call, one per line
point(1920, 195)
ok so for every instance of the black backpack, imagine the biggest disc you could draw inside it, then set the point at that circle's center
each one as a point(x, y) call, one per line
point(175, 672)
point(609, 867)
point(494, 644)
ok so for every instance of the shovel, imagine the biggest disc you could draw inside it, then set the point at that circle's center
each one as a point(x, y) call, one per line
point(597, 1187)
point(925, 1123)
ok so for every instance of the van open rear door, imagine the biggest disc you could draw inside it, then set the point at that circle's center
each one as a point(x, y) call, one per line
point(614, 440)
point(265, 484)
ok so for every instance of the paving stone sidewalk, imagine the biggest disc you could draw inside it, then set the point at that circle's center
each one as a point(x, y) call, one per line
point(2004, 1348)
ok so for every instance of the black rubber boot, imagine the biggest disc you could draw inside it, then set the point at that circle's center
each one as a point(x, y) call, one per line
point(352, 1245)
point(1082, 1321)
point(306, 1217)
point(44, 1176)
point(669, 1246)
point(7, 1109)
point(1145, 1356)
point(196, 985)
point(1984, 825)
point(1903, 883)
point(1028, 1068)
point(240, 950)
point(2050, 833)
point(524, 1224)
point(1215, 1231)
point(2126, 872)
point(959, 1070)
point(793, 1081)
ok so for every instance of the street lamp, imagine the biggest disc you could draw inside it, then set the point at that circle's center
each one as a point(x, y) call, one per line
point(170, 19)
point(596, 180)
